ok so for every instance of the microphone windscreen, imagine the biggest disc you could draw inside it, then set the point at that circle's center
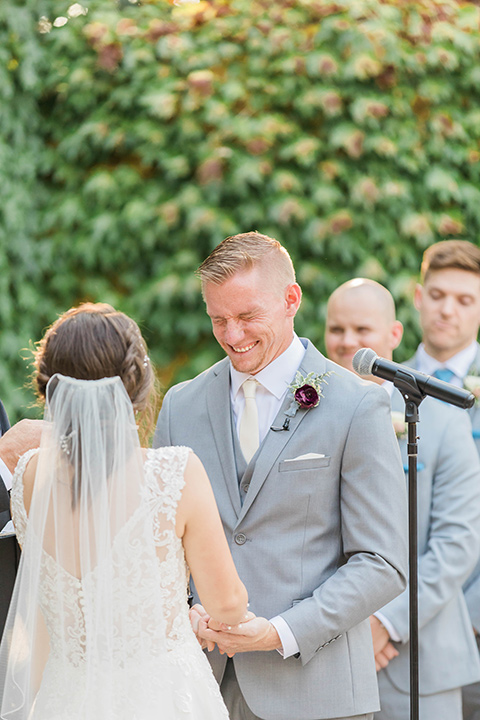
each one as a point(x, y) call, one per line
point(363, 361)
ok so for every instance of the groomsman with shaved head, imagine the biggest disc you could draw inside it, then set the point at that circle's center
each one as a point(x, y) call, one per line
point(361, 313)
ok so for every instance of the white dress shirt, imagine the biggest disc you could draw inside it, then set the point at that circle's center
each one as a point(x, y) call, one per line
point(459, 364)
point(273, 381)
point(273, 384)
point(6, 475)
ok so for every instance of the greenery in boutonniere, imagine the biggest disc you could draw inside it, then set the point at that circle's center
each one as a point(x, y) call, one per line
point(307, 391)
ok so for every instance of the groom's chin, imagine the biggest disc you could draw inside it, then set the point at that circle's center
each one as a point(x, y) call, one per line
point(249, 362)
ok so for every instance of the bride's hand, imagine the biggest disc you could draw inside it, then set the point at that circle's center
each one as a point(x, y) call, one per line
point(198, 615)
point(223, 627)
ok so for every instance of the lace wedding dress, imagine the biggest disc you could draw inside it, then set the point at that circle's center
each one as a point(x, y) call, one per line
point(155, 669)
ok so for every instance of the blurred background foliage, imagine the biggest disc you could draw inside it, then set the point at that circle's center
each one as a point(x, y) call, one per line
point(135, 136)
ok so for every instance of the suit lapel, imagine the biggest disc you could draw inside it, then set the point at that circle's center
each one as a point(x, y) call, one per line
point(275, 442)
point(4, 424)
point(219, 410)
point(474, 369)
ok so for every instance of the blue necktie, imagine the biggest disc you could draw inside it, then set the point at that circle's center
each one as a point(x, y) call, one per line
point(444, 374)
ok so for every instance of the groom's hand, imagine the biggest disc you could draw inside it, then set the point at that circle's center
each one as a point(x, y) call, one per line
point(21, 437)
point(253, 635)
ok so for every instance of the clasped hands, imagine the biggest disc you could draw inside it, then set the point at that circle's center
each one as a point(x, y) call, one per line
point(253, 633)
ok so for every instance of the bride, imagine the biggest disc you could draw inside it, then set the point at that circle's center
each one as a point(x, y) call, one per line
point(98, 628)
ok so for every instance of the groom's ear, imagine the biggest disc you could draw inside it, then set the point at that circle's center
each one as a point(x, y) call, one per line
point(293, 298)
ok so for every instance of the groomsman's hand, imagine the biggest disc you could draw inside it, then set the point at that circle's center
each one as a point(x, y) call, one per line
point(383, 649)
point(383, 658)
point(21, 437)
point(252, 635)
point(380, 636)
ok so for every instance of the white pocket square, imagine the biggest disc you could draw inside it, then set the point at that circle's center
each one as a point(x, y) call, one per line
point(307, 456)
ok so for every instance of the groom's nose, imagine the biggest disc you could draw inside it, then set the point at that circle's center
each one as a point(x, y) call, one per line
point(234, 332)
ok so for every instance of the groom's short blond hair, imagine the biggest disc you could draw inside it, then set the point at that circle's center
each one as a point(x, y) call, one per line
point(243, 252)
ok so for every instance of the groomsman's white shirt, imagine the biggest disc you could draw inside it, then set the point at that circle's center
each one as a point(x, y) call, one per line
point(273, 384)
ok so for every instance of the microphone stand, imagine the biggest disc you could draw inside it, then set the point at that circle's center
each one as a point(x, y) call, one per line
point(413, 396)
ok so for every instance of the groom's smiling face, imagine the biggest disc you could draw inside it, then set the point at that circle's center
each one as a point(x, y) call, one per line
point(252, 319)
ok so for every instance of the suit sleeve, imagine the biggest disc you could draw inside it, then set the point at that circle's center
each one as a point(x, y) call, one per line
point(373, 527)
point(162, 430)
point(454, 528)
point(472, 597)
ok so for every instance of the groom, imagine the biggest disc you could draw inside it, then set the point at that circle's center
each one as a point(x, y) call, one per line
point(8, 545)
point(311, 494)
point(20, 438)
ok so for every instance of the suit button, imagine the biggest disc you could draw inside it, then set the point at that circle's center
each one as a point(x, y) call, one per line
point(245, 487)
point(240, 539)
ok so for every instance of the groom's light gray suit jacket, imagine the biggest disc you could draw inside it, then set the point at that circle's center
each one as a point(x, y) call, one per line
point(448, 503)
point(320, 541)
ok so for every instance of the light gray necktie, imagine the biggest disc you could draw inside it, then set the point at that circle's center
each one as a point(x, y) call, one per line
point(248, 433)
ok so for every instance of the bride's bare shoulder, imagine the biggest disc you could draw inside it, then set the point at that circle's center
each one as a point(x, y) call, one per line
point(29, 480)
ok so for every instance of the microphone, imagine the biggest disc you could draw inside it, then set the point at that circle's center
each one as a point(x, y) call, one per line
point(367, 362)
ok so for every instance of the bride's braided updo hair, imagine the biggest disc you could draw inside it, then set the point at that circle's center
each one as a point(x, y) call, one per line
point(94, 341)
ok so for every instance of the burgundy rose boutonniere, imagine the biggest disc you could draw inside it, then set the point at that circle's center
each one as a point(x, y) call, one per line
point(307, 391)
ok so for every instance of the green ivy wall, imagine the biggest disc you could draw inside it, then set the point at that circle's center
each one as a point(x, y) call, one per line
point(134, 138)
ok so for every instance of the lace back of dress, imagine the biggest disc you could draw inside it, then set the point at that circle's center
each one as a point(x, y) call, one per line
point(87, 630)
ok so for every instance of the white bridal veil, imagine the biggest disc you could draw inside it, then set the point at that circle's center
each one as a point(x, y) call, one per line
point(86, 633)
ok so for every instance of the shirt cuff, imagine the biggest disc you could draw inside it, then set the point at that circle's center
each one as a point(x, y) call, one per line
point(287, 638)
point(6, 475)
point(388, 626)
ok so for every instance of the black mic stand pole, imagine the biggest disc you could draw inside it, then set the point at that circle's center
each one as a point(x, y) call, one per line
point(413, 396)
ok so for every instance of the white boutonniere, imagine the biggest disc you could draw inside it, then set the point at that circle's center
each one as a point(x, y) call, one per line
point(472, 384)
point(399, 424)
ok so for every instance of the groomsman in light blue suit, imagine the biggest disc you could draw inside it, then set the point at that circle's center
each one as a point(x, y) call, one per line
point(311, 490)
point(448, 300)
point(361, 313)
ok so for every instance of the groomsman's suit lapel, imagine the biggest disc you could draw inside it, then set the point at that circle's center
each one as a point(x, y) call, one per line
point(474, 411)
point(474, 368)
